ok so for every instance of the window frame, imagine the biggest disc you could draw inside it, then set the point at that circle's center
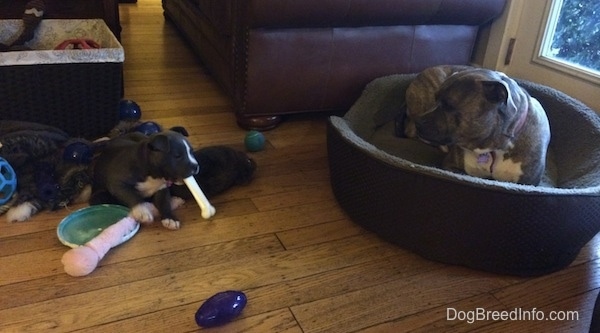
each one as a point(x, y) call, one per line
point(544, 41)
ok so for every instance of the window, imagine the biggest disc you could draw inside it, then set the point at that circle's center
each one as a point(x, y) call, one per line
point(570, 40)
point(523, 26)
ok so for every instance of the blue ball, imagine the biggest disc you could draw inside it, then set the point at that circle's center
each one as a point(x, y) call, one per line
point(148, 128)
point(8, 181)
point(254, 141)
point(129, 110)
point(78, 152)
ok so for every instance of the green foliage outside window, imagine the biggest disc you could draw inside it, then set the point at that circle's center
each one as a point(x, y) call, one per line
point(577, 35)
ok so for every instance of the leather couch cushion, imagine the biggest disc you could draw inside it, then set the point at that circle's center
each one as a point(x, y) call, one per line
point(286, 56)
point(305, 82)
point(348, 13)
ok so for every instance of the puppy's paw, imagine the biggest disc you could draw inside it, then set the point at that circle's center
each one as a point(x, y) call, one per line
point(21, 212)
point(143, 212)
point(171, 224)
point(84, 195)
point(176, 202)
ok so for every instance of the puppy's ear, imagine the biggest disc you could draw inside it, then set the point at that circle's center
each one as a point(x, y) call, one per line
point(181, 130)
point(159, 142)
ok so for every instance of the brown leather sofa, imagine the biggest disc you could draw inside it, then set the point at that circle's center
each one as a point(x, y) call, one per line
point(276, 57)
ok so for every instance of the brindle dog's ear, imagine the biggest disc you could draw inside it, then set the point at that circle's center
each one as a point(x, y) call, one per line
point(495, 91)
point(159, 142)
point(502, 91)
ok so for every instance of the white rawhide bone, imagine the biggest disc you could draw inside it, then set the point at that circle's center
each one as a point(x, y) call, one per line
point(207, 209)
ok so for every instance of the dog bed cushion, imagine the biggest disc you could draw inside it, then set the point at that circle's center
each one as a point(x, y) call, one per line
point(396, 188)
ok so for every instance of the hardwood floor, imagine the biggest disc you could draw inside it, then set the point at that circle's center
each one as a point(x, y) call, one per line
point(282, 240)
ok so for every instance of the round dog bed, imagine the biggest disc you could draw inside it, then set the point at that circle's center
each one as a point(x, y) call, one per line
point(395, 188)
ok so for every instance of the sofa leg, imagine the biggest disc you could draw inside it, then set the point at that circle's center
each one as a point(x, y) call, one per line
point(259, 123)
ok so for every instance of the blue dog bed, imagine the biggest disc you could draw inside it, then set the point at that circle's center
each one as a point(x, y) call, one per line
point(396, 188)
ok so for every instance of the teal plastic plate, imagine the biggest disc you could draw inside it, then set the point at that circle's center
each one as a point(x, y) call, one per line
point(84, 224)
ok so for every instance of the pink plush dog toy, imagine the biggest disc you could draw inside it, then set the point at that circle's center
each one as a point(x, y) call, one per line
point(82, 260)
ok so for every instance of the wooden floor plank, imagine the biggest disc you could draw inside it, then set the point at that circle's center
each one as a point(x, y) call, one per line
point(191, 286)
point(129, 270)
point(575, 316)
point(319, 233)
point(363, 308)
point(181, 320)
point(442, 319)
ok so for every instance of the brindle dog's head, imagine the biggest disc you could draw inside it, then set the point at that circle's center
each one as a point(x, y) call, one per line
point(474, 109)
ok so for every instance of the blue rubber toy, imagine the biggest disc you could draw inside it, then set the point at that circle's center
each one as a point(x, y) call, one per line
point(78, 152)
point(254, 141)
point(8, 181)
point(148, 128)
point(129, 110)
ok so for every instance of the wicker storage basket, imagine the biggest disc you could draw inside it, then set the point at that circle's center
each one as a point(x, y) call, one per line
point(75, 90)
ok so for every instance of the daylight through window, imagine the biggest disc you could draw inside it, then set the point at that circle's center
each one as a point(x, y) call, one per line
point(573, 34)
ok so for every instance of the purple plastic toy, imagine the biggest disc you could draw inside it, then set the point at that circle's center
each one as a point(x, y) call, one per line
point(221, 308)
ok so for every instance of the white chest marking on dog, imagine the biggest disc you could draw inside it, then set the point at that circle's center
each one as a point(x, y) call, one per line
point(151, 185)
point(492, 164)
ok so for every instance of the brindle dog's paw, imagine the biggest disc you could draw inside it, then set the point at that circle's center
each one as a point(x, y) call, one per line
point(143, 213)
point(171, 224)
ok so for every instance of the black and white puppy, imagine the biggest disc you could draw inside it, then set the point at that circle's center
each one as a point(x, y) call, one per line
point(135, 168)
point(221, 168)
